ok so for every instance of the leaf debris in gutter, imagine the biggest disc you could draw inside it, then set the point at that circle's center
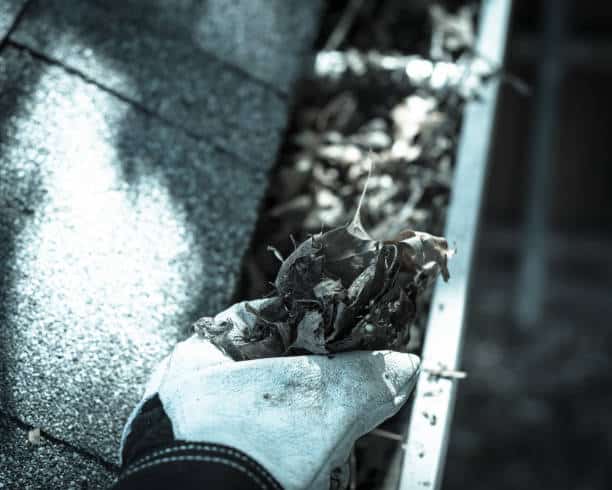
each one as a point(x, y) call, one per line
point(403, 112)
point(338, 291)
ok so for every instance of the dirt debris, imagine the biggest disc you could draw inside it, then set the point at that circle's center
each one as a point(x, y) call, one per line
point(35, 437)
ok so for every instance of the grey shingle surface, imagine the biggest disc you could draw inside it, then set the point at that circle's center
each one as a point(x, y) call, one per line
point(46, 466)
point(135, 136)
point(133, 48)
point(261, 37)
point(9, 10)
point(116, 232)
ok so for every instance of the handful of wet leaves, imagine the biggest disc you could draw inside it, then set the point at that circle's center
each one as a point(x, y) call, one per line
point(338, 291)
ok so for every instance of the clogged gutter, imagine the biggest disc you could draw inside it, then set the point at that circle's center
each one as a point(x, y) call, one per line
point(399, 110)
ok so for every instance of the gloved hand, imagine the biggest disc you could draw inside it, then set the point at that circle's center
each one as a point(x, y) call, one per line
point(297, 416)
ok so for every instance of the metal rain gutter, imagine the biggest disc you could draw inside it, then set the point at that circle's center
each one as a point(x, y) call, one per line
point(429, 428)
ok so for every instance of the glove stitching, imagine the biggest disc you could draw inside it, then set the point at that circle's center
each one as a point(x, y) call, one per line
point(212, 448)
point(206, 459)
point(207, 447)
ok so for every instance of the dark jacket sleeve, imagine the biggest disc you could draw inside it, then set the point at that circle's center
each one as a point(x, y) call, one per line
point(153, 459)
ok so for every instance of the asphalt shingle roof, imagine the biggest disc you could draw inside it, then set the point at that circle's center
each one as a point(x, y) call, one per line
point(9, 10)
point(134, 144)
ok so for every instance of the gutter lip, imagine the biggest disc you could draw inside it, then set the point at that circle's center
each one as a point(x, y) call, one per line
point(428, 431)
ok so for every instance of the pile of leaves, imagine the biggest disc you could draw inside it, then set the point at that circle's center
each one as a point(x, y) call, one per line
point(338, 291)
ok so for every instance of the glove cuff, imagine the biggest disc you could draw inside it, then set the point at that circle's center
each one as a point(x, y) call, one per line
point(196, 465)
point(153, 459)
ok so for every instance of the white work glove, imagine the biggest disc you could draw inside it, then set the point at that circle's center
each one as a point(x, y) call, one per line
point(297, 416)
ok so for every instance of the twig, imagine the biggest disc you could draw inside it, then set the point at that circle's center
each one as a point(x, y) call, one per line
point(514, 81)
point(443, 372)
point(387, 435)
point(343, 25)
point(276, 253)
point(353, 466)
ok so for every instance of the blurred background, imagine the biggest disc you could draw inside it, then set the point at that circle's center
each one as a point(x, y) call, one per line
point(534, 412)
